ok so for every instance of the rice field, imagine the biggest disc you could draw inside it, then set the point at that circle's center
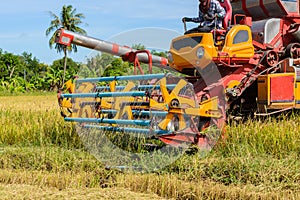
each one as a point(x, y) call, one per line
point(42, 157)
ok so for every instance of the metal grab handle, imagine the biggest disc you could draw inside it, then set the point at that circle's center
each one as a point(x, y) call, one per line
point(184, 24)
point(215, 30)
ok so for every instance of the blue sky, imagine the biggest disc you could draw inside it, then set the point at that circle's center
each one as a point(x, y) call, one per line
point(152, 23)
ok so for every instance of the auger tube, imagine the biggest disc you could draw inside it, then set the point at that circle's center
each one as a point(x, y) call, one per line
point(67, 37)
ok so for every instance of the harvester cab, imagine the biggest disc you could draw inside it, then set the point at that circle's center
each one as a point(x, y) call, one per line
point(195, 50)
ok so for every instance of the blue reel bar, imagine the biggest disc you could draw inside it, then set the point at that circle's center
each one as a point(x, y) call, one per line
point(128, 130)
point(139, 112)
point(140, 87)
point(105, 94)
point(122, 78)
point(109, 121)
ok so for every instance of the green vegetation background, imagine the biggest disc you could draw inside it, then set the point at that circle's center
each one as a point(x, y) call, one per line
point(24, 73)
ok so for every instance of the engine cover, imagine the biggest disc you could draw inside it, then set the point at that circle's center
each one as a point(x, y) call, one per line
point(265, 31)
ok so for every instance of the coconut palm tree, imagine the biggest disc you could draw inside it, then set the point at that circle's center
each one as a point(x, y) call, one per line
point(69, 20)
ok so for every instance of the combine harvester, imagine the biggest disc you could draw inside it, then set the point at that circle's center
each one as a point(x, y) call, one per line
point(250, 67)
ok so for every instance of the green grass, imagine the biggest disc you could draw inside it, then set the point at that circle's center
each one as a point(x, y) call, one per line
point(36, 128)
point(258, 159)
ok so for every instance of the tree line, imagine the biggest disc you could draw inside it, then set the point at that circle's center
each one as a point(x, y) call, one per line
point(21, 73)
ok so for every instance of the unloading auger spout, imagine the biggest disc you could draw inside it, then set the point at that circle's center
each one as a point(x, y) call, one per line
point(128, 54)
